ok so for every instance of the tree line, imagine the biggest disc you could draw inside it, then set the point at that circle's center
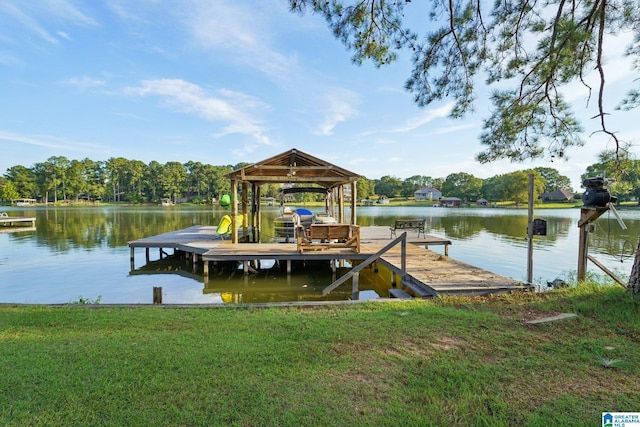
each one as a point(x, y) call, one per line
point(133, 181)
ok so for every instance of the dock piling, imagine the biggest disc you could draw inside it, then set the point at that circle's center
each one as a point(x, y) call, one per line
point(157, 294)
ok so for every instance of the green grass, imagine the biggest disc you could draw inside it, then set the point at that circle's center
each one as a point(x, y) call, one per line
point(453, 361)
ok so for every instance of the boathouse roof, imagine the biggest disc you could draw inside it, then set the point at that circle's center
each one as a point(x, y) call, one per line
point(294, 166)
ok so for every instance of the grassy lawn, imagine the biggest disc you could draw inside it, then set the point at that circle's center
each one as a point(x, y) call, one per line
point(452, 361)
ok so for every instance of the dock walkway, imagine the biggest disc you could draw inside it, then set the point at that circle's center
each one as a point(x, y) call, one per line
point(428, 273)
point(10, 221)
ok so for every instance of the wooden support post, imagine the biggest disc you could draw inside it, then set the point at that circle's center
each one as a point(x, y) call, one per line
point(583, 250)
point(341, 219)
point(245, 267)
point(131, 257)
point(403, 256)
point(355, 282)
point(157, 294)
point(245, 216)
point(288, 266)
point(588, 215)
point(530, 233)
point(234, 212)
point(205, 270)
point(146, 254)
point(354, 198)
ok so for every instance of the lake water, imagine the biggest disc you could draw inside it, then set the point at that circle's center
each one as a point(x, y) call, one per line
point(82, 253)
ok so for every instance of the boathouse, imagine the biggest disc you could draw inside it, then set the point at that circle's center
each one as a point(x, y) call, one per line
point(290, 167)
point(404, 262)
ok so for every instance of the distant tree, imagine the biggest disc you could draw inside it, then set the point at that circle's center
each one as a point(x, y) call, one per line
point(152, 180)
point(553, 180)
point(173, 179)
point(492, 188)
point(389, 186)
point(95, 175)
point(463, 185)
point(9, 192)
point(220, 180)
point(24, 180)
point(515, 186)
point(135, 172)
point(365, 188)
point(116, 171)
point(77, 182)
point(240, 166)
point(437, 183)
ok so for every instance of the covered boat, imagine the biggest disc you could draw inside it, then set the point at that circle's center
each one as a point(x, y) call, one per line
point(291, 221)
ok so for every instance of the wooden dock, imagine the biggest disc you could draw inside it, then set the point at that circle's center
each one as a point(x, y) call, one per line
point(14, 221)
point(428, 273)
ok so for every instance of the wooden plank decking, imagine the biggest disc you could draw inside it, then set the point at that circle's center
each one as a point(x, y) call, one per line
point(11, 221)
point(430, 271)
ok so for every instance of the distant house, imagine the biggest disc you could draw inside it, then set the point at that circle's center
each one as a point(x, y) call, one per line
point(450, 202)
point(482, 202)
point(557, 196)
point(427, 193)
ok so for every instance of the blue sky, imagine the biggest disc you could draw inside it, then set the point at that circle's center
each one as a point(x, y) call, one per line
point(224, 82)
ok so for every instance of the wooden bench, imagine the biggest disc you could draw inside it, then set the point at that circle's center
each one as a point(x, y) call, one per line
point(408, 224)
point(329, 236)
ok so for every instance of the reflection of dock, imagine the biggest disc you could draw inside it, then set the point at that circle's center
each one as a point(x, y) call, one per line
point(16, 229)
point(428, 273)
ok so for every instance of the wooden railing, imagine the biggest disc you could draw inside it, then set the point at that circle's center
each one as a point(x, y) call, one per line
point(355, 272)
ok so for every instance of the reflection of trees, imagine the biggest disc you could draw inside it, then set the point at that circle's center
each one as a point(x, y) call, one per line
point(610, 239)
point(66, 228)
point(459, 227)
point(516, 227)
point(468, 226)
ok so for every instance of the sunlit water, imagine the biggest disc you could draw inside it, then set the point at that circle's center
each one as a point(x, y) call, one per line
point(82, 254)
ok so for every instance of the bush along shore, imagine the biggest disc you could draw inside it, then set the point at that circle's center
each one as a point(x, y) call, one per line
point(449, 361)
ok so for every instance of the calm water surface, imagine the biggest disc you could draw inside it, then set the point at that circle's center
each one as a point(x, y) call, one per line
point(79, 253)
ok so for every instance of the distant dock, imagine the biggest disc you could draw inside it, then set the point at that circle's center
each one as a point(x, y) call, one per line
point(11, 221)
point(427, 273)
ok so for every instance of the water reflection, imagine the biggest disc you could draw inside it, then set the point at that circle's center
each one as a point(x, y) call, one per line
point(83, 251)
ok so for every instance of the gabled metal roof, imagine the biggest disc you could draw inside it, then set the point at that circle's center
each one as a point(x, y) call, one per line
point(296, 167)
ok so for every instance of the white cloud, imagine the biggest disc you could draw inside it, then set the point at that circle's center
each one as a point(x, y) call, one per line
point(83, 82)
point(48, 141)
point(230, 107)
point(63, 35)
point(417, 121)
point(241, 30)
point(427, 117)
point(452, 129)
point(339, 107)
point(28, 22)
point(34, 17)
